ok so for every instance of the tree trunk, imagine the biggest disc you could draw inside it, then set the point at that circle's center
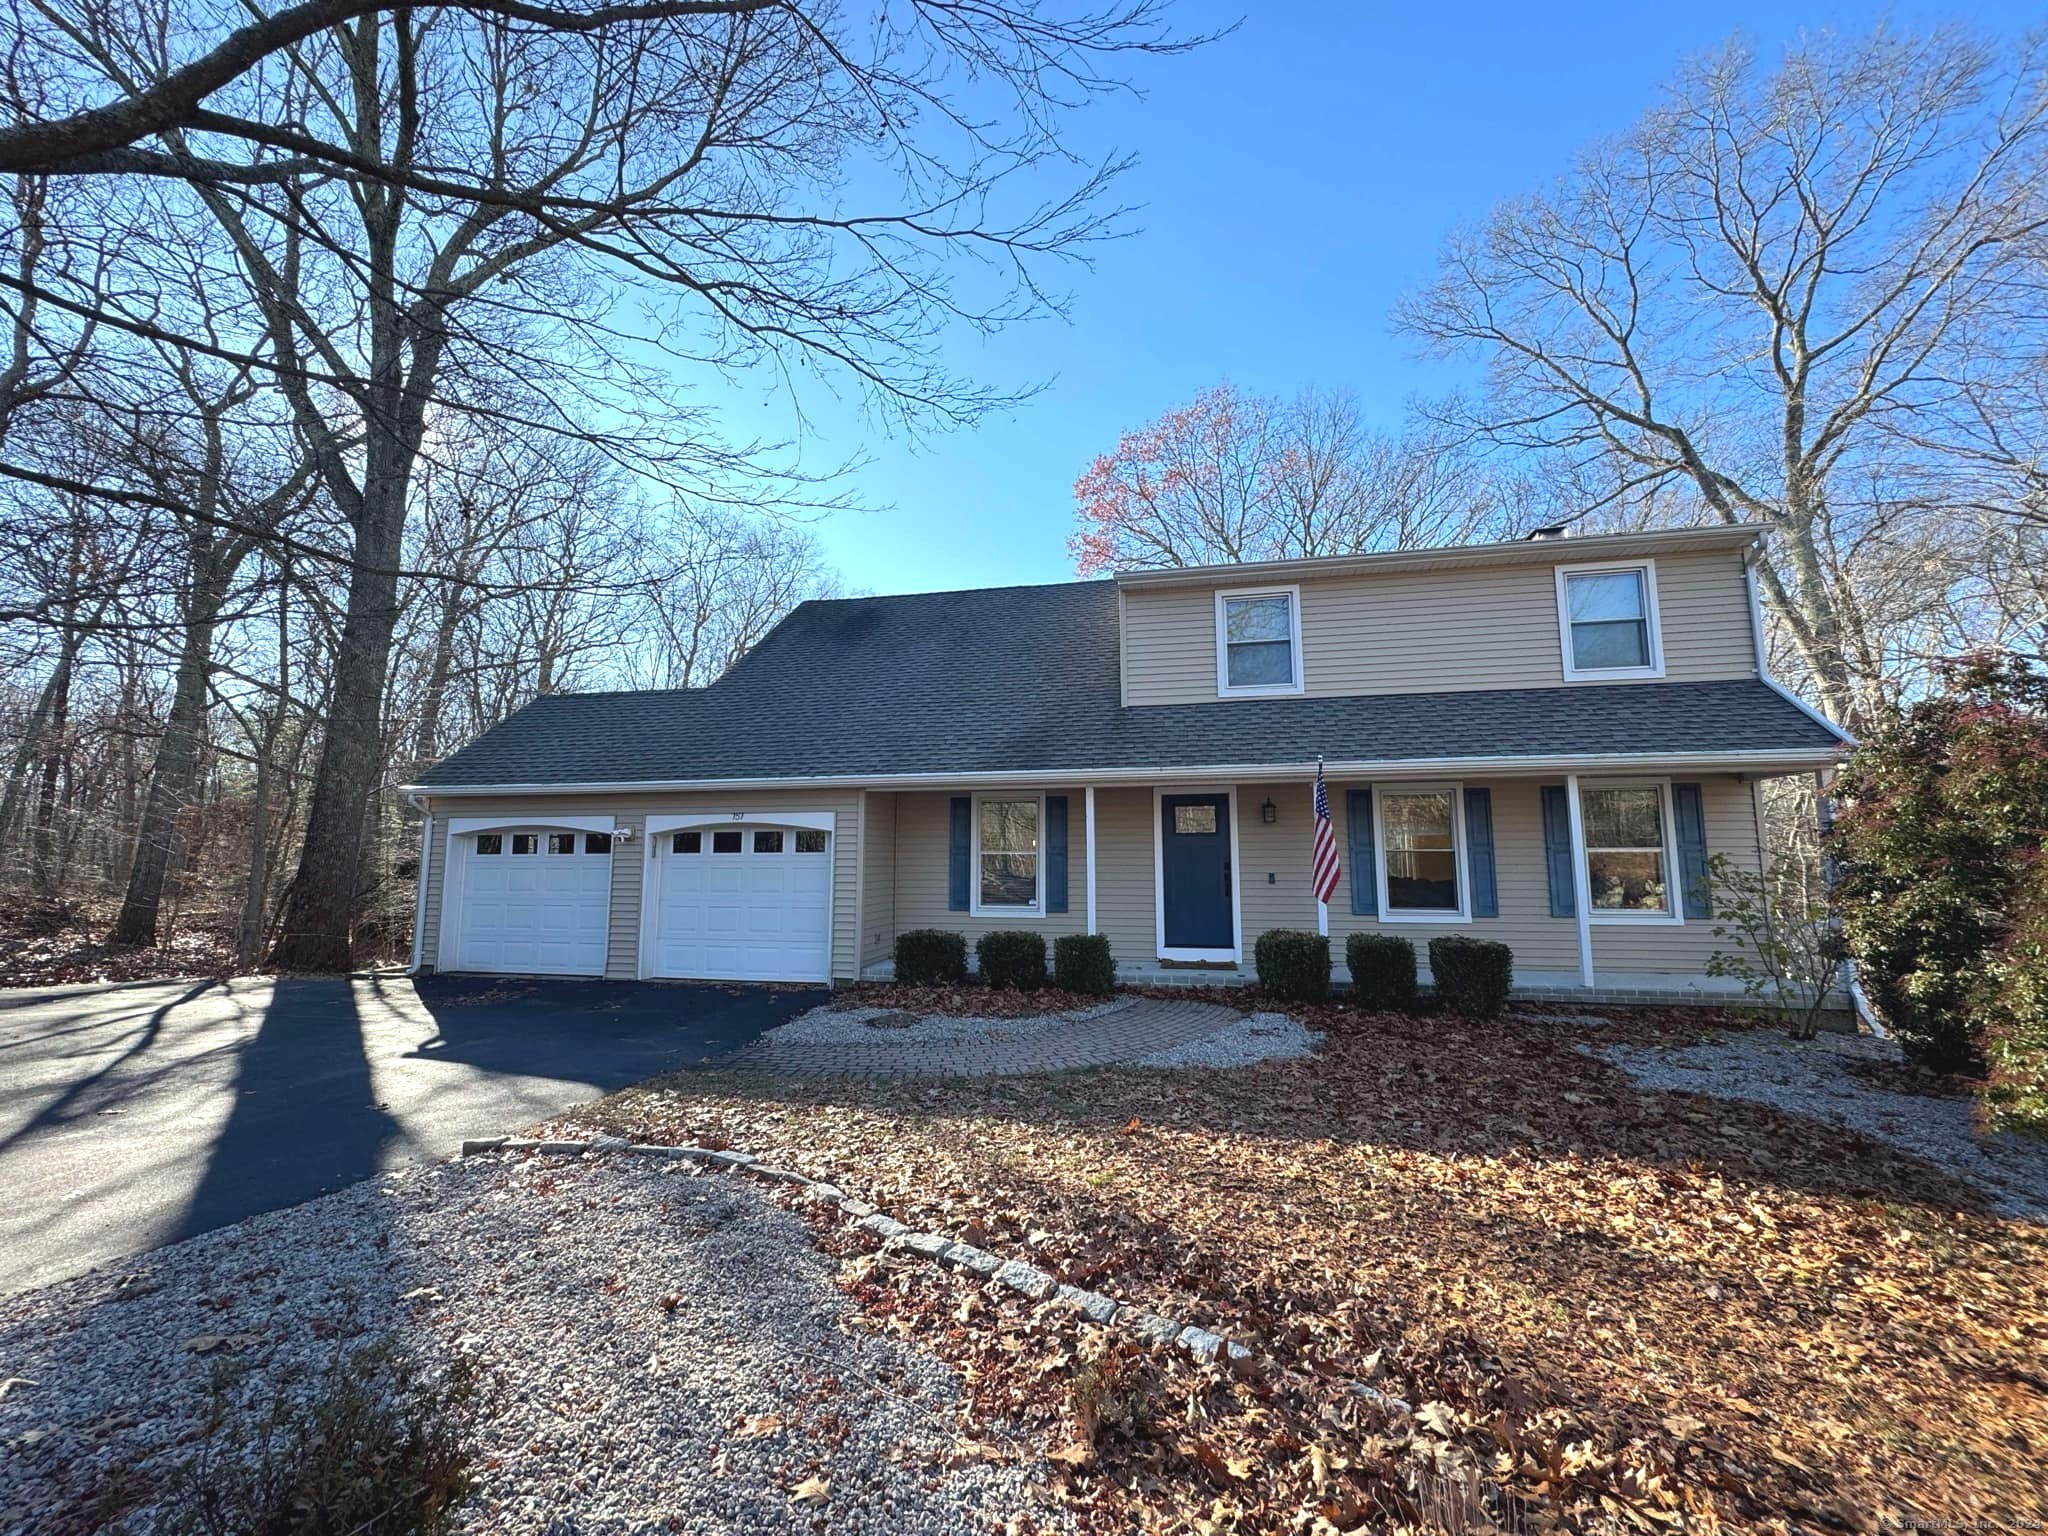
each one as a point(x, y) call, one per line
point(18, 772)
point(249, 932)
point(320, 906)
point(172, 776)
point(44, 866)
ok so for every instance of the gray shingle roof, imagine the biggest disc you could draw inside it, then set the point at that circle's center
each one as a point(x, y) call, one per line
point(1024, 680)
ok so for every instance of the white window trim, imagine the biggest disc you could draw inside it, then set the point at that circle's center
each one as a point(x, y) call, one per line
point(975, 908)
point(1456, 791)
point(1654, 625)
point(1270, 690)
point(1235, 954)
point(1609, 916)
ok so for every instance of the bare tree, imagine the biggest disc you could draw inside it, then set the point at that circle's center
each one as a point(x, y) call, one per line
point(230, 489)
point(1755, 288)
point(717, 584)
point(1233, 477)
point(423, 196)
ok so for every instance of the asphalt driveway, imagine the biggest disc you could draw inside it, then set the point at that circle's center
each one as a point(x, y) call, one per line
point(133, 1116)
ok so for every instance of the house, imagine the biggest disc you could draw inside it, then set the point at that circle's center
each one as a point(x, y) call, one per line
point(1541, 742)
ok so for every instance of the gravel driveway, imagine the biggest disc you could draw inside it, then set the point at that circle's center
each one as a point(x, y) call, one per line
point(1810, 1078)
point(613, 1411)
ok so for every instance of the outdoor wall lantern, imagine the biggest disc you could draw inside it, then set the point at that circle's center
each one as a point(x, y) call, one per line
point(1269, 812)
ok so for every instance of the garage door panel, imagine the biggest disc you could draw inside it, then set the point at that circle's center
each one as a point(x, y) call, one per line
point(546, 913)
point(759, 913)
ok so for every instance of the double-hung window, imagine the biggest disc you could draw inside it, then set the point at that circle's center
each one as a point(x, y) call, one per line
point(1629, 858)
point(1258, 641)
point(1422, 852)
point(1008, 870)
point(1607, 618)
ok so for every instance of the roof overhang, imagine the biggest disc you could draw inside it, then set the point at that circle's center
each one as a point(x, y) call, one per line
point(1761, 764)
point(1558, 551)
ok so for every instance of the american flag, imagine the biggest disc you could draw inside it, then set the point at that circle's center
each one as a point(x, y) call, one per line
point(1324, 872)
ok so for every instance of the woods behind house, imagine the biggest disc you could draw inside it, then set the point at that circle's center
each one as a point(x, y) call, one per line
point(347, 397)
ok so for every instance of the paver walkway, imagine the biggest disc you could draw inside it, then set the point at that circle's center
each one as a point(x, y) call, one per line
point(993, 1047)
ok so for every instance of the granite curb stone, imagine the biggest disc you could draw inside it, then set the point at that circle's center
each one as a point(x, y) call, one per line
point(1026, 1279)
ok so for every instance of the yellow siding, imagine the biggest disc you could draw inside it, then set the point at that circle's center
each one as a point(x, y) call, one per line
point(901, 882)
point(878, 878)
point(1420, 632)
point(1124, 908)
point(923, 838)
point(630, 813)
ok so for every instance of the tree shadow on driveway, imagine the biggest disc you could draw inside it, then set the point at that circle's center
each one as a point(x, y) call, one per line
point(140, 1119)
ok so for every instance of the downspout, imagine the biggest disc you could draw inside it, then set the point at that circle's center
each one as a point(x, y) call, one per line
point(419, 908)
point(1866, 1011)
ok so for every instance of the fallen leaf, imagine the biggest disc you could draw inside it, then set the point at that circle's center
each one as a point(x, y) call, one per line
point(812, 1490)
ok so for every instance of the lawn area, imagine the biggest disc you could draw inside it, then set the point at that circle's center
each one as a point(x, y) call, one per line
point(1613, 1309)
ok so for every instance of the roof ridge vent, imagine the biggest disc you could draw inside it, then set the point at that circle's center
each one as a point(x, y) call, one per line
point(1548, 531)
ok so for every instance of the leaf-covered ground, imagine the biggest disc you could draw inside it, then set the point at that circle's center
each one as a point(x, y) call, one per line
point(1613, 1309)
point(60, 943)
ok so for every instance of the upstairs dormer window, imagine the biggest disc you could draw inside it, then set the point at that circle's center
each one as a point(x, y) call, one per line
point(1607, 620)
point(1258, 641)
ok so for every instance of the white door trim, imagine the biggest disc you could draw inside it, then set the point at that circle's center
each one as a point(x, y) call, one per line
point(1234, 954)
point(650, 870)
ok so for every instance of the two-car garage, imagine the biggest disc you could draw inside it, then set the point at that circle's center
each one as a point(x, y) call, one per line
point(730, 896)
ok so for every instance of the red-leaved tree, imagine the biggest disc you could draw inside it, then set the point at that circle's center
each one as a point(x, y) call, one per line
point(1232, 476)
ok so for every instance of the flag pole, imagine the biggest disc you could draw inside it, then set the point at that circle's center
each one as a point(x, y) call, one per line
point(1322, 906)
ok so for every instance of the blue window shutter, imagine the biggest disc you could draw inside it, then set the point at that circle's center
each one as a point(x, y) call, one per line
point(1557, 851)
point(1365, 880)
point(1055, 853)
point(1479, 852)
point(1690, 814)
point(959, 854)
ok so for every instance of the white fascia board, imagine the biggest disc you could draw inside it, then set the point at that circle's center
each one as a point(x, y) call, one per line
point(1595, 546)
point(1801, 761)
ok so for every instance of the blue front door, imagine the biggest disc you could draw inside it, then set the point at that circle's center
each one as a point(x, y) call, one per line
point(1194, 869)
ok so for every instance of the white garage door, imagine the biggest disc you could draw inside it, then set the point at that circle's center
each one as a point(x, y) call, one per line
point(534, 903)
point(742, 904)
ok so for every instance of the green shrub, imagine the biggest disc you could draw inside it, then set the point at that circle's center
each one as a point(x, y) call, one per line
point(931, 957)
point(1293, 964)
point(375, 1449)
point(2013, 1007)
point(1382, 967)
point(1474, 976)
point(1945, 804)
point(1082, 962)
point(1010, 957)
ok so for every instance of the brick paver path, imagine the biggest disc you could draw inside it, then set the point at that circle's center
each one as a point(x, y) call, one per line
point(995, 1049)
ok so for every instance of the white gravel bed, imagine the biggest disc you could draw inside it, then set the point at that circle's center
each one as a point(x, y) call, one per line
point(827, 1025)
point(612, 1412)
point(1809, 1078)
point(1258, 1037)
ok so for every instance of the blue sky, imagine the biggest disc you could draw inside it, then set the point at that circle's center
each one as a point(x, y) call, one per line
point(1294, 179)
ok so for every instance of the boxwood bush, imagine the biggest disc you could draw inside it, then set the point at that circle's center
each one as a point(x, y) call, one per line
point(1081, 962)
point(1293, 964)
point(1472, 975)
point(1382, 969)
point(931, 957)
point(1011, 957)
